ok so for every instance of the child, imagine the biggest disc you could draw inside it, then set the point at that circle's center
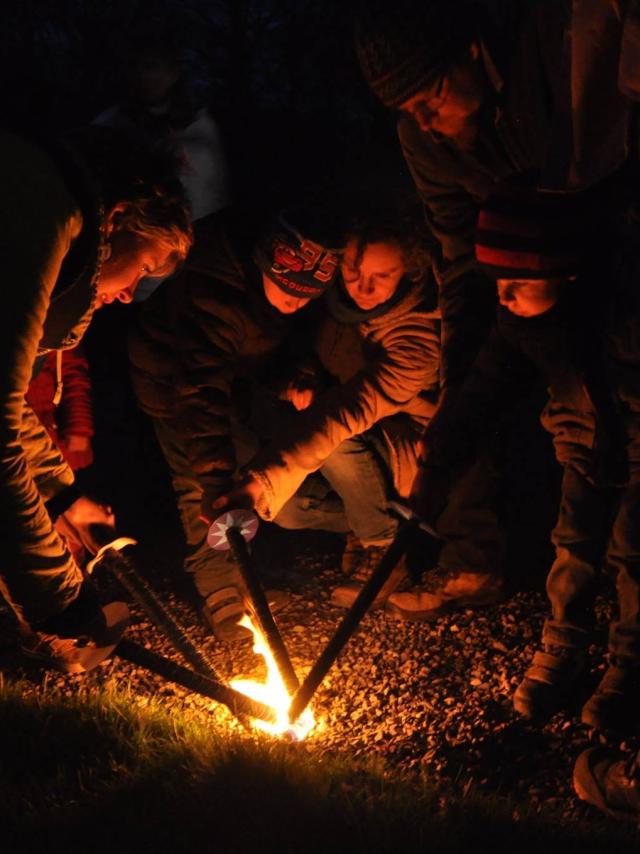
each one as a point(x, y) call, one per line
point(367, 396)
point(205, 353)
point(585, 342)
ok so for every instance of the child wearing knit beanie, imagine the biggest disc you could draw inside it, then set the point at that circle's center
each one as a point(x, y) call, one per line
point(587, 350)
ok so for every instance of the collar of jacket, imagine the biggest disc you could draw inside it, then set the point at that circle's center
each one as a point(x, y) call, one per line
point(410, 296)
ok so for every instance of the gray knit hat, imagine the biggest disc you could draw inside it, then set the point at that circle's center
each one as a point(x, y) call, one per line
point(403, 44)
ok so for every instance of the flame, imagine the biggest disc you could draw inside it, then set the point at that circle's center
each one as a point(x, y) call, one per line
point(273, 692)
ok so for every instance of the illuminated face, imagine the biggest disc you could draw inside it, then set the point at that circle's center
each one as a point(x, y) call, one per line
point(373, 278)
point(450, 106)
point(528, 297)
point(132, 258)
point(284, 302)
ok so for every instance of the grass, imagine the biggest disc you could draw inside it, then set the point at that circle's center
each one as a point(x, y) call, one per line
point(96, 771)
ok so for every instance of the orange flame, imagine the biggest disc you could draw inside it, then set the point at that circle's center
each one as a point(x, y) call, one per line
point(273, 692)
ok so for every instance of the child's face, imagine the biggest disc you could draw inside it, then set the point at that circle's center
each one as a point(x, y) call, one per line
point(284, 302)
point(528, 297)
point(372, 276)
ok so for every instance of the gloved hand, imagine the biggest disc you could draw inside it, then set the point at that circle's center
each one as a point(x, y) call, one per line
point(77, 451)
point(245, 494)
point(74, 526)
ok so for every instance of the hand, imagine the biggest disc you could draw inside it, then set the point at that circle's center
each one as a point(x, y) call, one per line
point(244, 495)
point(301, 398)
point(77, 451)
point(75, 524)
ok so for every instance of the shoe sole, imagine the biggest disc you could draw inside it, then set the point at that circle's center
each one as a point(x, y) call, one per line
point(395, 612)
point(594, 795)
point(540, 714)
point(117, 618)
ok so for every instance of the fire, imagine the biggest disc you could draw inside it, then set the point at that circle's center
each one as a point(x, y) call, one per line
point(273, 692)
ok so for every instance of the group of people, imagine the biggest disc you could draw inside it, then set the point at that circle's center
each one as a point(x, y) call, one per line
point(315, 366)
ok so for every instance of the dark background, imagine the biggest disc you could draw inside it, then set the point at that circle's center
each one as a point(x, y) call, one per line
point(280, 76)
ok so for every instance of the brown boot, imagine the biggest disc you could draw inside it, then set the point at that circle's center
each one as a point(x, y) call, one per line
point(352, 555)
point(443, 591)
point(345, 595)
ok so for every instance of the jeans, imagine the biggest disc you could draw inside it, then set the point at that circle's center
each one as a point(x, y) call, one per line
point(351, 493)
point(211, 569)
point(595, 526)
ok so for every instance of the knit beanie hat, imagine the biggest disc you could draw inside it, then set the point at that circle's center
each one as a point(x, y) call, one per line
point(289, 256)
point(530, 237)
point(403, 44)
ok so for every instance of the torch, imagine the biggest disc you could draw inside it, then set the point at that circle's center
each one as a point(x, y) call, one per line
point(354, 615)
point(233, 530)
point(205, 680)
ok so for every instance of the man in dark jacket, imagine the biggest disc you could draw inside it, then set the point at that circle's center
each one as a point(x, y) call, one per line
point(205, 357)
point(81, 222)
point(494, 92)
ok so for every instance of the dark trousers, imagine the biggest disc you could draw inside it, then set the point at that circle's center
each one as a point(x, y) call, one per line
point(595, 527)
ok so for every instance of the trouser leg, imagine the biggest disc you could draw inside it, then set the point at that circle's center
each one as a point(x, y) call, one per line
point(473, 537)
point(315, 506)
point(359, 473)
point(579, 538)
point(624, 559)
point(350, 493)
point(211, 569)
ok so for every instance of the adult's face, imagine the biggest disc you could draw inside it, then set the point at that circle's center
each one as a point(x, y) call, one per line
point(372, 276)
point(284, 302)
point(153, 79)
point(451, 104)
point(527, 297)
point(132, 258)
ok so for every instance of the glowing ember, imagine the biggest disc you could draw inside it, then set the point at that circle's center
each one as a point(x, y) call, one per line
point(272, 692)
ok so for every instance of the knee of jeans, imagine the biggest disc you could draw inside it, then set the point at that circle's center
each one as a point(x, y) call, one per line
point(343, 451)
point(570, 579)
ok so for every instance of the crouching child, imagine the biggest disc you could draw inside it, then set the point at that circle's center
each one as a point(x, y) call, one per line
point(582, 334)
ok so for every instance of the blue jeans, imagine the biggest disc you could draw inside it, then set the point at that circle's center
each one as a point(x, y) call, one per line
point(350, 492)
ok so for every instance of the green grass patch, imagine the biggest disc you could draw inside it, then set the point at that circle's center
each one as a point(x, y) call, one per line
point(96, 771)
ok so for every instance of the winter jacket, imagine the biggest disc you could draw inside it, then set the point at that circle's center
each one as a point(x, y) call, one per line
point(593, 378)
point(205, 347)
point(49, 238)
point(385, 372)
point(559, 117)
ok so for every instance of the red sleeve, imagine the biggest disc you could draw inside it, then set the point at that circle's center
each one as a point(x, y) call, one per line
point(75, 413)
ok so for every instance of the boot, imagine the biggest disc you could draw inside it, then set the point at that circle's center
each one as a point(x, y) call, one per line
point(79, 638)
point(352, 555)
point(609, 781)
point(615, 702)
point(346, 594)
point(223, 609)
point(549, 681)
point(442, 592)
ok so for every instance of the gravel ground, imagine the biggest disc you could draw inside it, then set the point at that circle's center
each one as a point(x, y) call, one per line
point(422, 696)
